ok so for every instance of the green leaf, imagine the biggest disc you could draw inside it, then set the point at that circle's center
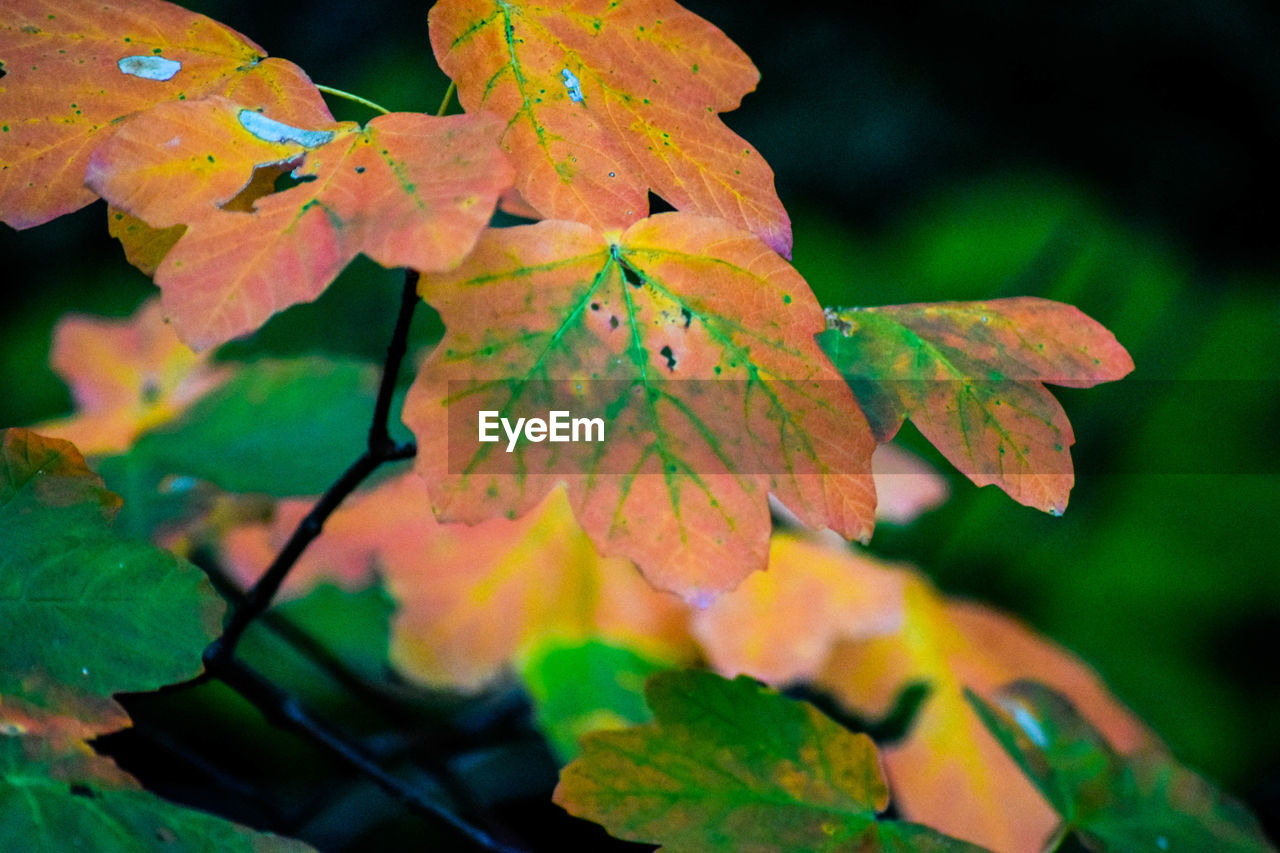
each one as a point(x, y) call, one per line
point(53, 801)
point(733, 765)
point(586, 688)
point(1142, 802)
point(278, 427)
point(971, 377)
point(152, 498)
point(85, 613)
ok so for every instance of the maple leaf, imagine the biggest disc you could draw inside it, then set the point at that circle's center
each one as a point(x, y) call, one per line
point(781, 625)
point(604, 102)
point(84, 613)
point(72, 71)
point(732, 765)
point(126, 376)
point(970, 376)
point(949, 772)
point(693, 343)
point(1110, 802)
point(472, 598)
point(406, 190)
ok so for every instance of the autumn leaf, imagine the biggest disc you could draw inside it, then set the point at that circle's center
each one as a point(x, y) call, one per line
point(693, 344)
point(73, 71)
point(473, 599)
point(970, 376)
point(1145, 801)
point(84, 613)
point(407, 190)
point(126, 376)
point(732, 765)
point(52, 800)
point(605, 102)
point(949, 772)
point(781, 625)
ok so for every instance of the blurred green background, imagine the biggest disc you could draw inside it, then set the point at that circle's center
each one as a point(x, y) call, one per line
point(1117, 155)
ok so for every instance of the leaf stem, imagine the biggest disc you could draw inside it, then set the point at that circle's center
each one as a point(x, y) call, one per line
point(338, 93)
point(448, 96)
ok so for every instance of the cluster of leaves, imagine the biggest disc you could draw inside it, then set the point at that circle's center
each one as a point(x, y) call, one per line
point(725, 382)
point(185, 127)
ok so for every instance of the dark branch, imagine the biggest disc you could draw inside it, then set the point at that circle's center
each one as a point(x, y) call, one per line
point(276, 704)
point(379, 438)
point(281, 708)
point(380, 449)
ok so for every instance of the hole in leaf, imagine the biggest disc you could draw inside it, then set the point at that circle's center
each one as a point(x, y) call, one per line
point(79, 790)
point(687, 315)
point(267, 180)
point(287, 181)
point(613, 322)
point(632, 277)
point(658, 204)
point(666, 353)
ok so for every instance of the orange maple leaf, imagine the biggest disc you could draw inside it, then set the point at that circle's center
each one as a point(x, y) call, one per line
point(949, 772)
point(126, 376)
point(472, 599)
point(406, 190)
point(693, 342)
point(781, 625)
point(73, 71)
point(604, 102)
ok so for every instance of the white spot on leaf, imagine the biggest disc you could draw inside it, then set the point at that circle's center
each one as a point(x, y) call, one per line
point(572, 84)
point(149, 67)
point(270, 130)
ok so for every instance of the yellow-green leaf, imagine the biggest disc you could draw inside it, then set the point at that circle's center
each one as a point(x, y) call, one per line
point(732, 765)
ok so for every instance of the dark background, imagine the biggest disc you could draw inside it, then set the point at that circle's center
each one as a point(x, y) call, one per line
point(1117, 155)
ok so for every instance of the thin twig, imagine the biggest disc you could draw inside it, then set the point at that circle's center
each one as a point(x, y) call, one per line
point(379, 438)
point(281, 708)
point(365, 102)
point(276, 704)
point(380, 449)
